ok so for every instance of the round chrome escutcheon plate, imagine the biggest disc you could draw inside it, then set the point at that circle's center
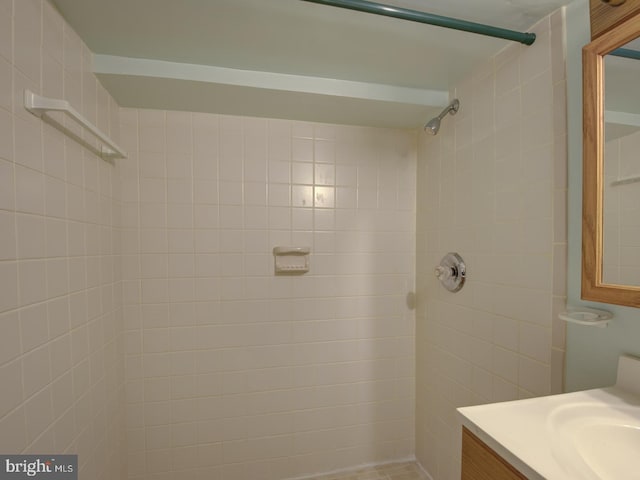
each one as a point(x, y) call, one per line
point(451, 272)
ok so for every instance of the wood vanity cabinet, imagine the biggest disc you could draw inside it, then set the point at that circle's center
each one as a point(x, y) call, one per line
point(604, 17)
point(480, 462)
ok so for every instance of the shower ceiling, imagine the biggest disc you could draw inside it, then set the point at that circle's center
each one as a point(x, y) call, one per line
point(287, 58)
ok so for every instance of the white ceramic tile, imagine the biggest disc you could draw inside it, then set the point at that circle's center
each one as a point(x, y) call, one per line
point(52, 32)
point(182, 290)
point(6, 135)
point(538, 126)
point(78, 280)
point(534, 376)
point(14, 423)
point(560, 108)
point(206, 166)
point(206, 216)
point(302, 149)
point(72, 45)
point(205, 191)
point(255, 218)
point(62, 393)
point(152, 165)
point(180, 191)
point(536, 60)
point(324, 151)
point(6, 40)
point(180, 216)
point(255, 194)
point(206, 241)
point(535, 272)
point(7, 184)
point(560, 270)
point(179, 132)
point(39, 413)
point(30, 236)
point(301, 196)
point(346, 175)
point(231, 151)
point(10, 340)
point(153, 190)
point(557, 371)
point(231, 217)
point(538, 164)
point(505, 364)
point(153, 215)
point(508, 107)
point(11, 375)
point(33, 281)
point(35, 370)
point(157, 389)
point(279, 171)
point(6, 87)
point(280, 195)
point(302, 173)
point(34, 329)
point(55, 198)
point(151, 131)
point(79, 352)
point(537, 236)
point(180, 166)
point(537, 92)
point(27, 37)
point(29, 188)
point(153, 266)
point(58, 316)
point(156, 340)
point(8, 236)
point(507, 70)
point(61, 363)
point(231, 193)
point(504, 391)
point(74, 162)
point(535, 342)
point(324, 174)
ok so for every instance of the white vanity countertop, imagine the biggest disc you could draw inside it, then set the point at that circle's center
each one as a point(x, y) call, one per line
point(524, 432)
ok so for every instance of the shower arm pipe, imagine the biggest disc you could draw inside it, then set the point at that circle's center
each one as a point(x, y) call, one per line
point(430, 19)
point(446, 111)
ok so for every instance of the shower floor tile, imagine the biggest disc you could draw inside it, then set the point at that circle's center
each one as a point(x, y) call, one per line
point(392, 471)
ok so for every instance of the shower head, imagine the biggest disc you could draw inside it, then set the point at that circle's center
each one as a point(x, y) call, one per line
point(433, 125)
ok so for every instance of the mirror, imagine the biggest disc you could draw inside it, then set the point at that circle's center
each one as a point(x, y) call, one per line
point(621, 186)
point(611, 170)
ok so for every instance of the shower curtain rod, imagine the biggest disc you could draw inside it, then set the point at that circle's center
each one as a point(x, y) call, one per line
point(430, 19)
point(626, 53)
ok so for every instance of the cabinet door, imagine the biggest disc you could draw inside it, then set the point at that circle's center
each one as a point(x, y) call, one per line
point(604, 17)
point(480, 462)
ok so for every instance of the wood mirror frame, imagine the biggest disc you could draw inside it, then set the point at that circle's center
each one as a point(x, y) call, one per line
point(593, 54)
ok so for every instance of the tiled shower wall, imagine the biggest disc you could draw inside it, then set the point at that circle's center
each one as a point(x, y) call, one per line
point(61, 339)
point(233, 372)
point(621, 228)
point(492, 187)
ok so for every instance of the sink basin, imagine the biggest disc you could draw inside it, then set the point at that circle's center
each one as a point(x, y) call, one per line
point(610, 449)
point(597, 442)
point(586, 435)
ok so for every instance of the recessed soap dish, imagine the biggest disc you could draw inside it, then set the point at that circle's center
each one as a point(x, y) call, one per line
point(291, 260)
point(586, 316)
